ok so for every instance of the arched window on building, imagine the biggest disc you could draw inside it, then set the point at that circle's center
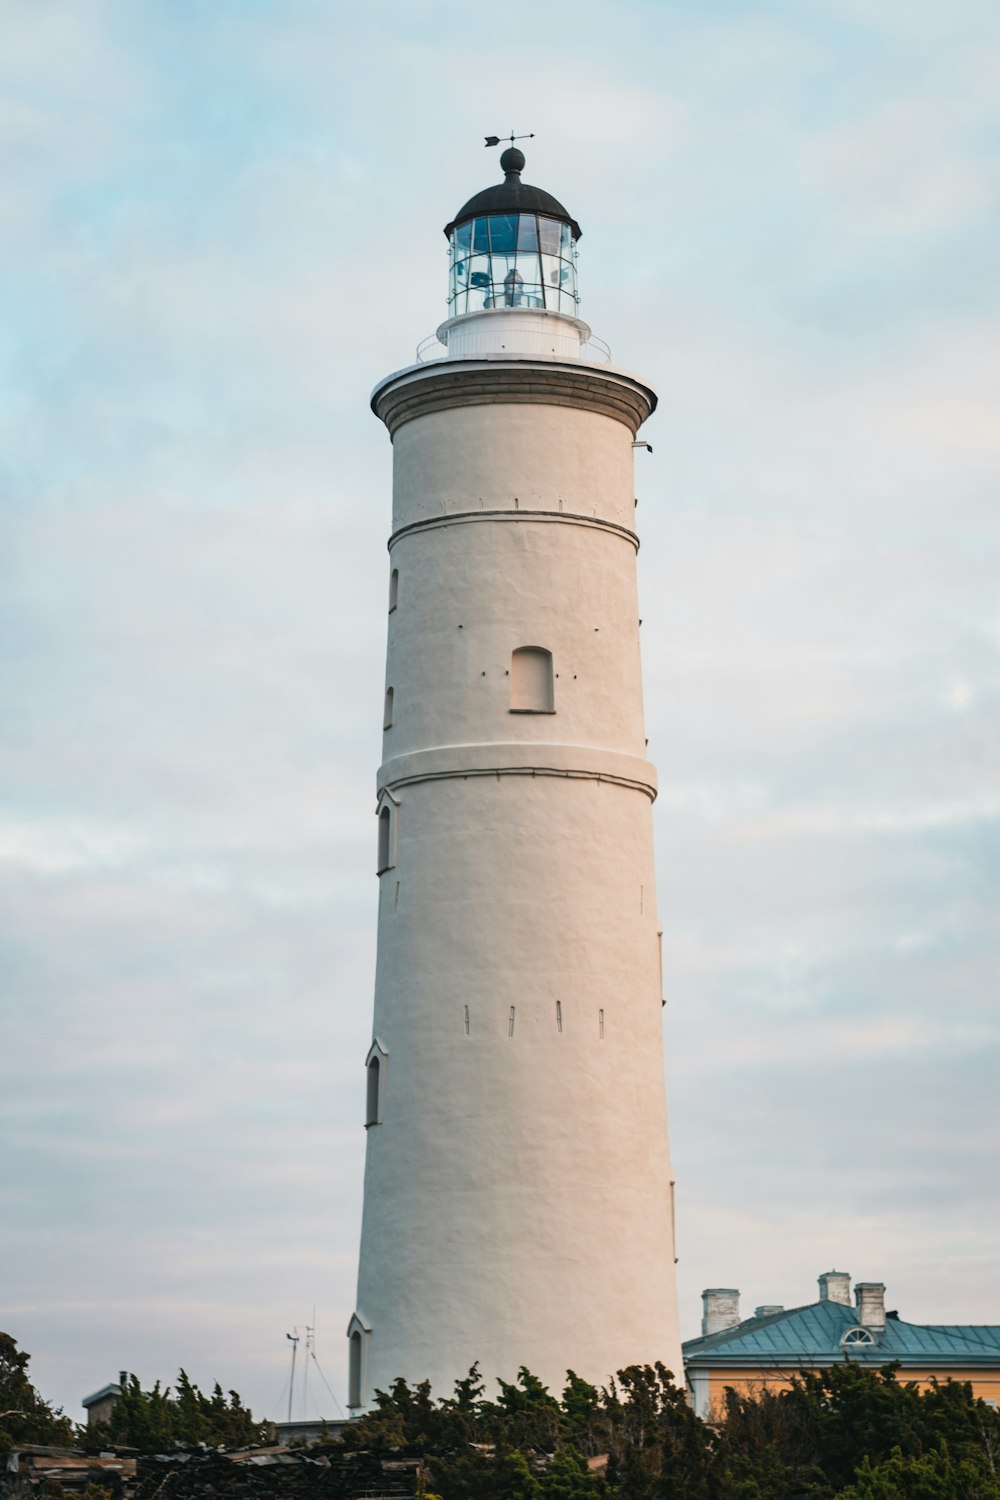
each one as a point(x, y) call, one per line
point(387, 715)
point(531, 684)
point(393, 589)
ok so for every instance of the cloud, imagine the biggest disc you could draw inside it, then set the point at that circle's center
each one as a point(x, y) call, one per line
point(218, 235)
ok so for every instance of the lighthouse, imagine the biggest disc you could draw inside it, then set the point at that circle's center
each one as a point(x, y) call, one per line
point(518, 1194)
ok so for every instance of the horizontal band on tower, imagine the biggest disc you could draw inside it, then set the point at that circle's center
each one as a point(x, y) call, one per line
point(506, 379)
point(571, 518)
point(578, 762)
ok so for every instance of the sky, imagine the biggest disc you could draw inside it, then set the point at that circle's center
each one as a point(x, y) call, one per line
point(220, 226)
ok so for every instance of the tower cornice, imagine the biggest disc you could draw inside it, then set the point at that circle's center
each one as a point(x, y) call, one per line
point(517, 518)
point(501, 379)
point(587, 762)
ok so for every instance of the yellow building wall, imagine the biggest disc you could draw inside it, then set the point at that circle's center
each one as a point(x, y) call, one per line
point(985, 1383)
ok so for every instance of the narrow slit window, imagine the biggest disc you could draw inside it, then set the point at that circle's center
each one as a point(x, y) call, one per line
point(673, 1221)
point(354, 1370)
point(559, 1015)
point(531, 682)
point(393, 589)
point(467, 1023)
point(384, 839)
point(600, 1024)
point(372, 1099)
point(510, 1021)
point(387, 716)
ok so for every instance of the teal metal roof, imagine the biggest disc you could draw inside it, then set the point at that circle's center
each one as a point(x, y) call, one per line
point(812, 1335)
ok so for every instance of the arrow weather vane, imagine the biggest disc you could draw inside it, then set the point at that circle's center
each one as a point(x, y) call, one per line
point(494, 140)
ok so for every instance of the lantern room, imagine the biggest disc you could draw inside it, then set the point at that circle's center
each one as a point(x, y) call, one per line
point(512, 246)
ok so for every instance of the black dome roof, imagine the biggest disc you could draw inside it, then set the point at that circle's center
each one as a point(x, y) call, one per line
point(512, 196)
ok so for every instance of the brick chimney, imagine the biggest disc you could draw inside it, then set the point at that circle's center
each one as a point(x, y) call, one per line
point(835, 1286)
point(721, 1309)
point(870, 1297)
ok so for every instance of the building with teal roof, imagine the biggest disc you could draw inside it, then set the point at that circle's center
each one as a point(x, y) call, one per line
point(768, 1349)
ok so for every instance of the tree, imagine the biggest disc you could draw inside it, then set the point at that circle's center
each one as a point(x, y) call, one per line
point(156, 1420)
point(24, 1416)
point(567, 1477)
point(848, 1432)
point(856, 1431)
point(934, 1476)
point(657, 1447)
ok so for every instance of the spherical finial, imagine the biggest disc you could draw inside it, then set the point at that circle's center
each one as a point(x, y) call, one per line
point(512, 161)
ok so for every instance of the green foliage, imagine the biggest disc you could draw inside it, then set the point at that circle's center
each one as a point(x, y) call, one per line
point(582, 1425)
point(155, 1421)
point(849, 1431)
point(568, 1478)
point(656, 1445)
point(849, 1426)
point(934, 1476)
point(24, 1416)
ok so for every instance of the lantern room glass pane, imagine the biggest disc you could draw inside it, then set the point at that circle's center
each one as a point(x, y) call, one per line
point(495, 263)
point(503, 233)
point(527, 232)
point(549, 235)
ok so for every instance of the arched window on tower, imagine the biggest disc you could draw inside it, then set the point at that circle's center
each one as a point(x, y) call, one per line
point(531, 685)
point(358, 1334)
point(371, 1102)
point(387, 715)
point(384, 837)
point(388, 830)
point(375, 1066)
point(354, 1371)
point(393, 589)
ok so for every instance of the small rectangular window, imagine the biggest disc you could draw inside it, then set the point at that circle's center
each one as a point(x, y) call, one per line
point(531, 684)
point(467, 1020)
point(510, 1022)
point(600, 1023)
point(559, 1015)
point(387, 716)
point(673, 1222)
point(393, 589)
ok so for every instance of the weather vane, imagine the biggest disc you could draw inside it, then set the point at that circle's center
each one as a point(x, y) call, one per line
point(494, 140)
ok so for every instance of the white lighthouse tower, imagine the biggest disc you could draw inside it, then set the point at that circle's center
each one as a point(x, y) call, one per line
point(518, 1201)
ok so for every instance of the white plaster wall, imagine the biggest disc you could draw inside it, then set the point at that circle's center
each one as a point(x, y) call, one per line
point(473, 591)
point(502, 329)
point(498, 456)
point(517, 1205)
point(517, 1190)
